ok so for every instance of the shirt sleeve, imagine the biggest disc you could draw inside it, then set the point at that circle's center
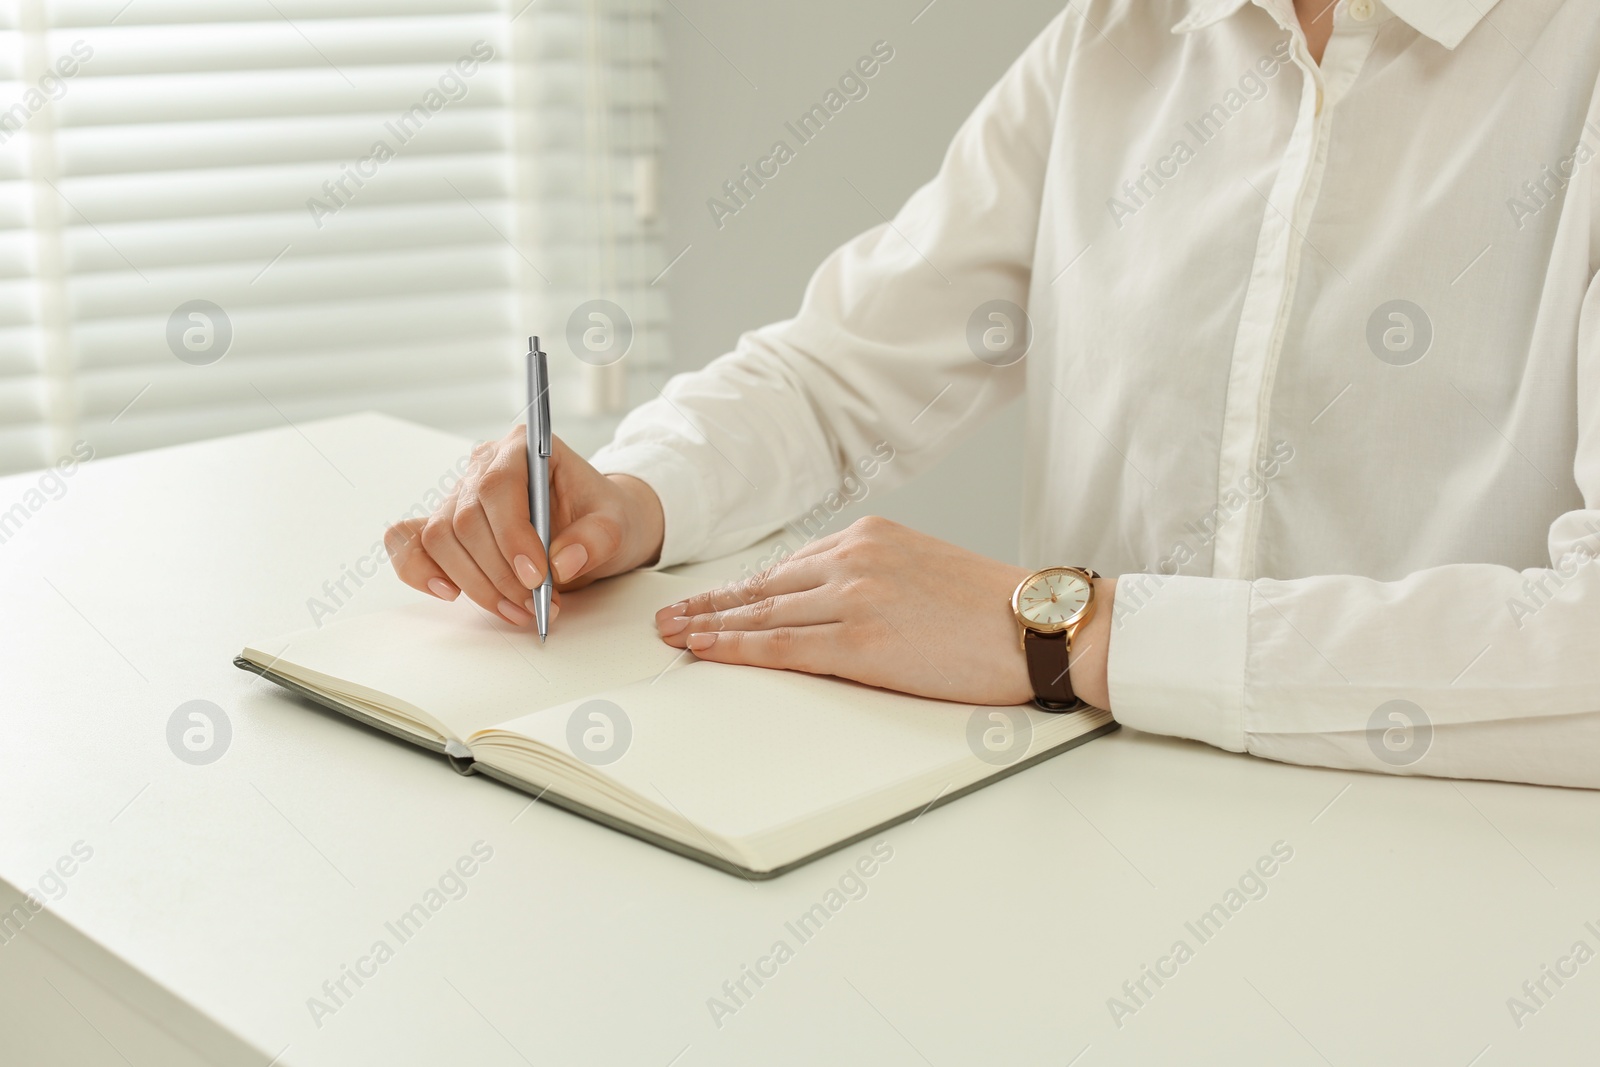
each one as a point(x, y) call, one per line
point(1460, 671)
point(874, 375)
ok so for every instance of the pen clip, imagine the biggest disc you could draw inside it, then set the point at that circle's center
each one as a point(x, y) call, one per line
point(540, 374)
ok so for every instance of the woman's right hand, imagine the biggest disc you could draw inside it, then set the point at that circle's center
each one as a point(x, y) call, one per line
point(481, 542)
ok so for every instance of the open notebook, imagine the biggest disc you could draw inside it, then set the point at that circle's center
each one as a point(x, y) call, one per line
point(749, 770)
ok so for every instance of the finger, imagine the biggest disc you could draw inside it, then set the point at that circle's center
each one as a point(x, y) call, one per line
point(502, 492)
point(813, 548)
point(583, 547)
point(791, 648)
point(472, 529)
point(411, 561)
point(808, 549)
point(439, 538)
point(812, 607)
point(794, 576)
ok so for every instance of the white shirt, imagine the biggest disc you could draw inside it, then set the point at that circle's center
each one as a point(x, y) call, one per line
point(1314, 368)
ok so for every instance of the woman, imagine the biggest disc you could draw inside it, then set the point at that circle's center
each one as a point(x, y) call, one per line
point(1311, 354)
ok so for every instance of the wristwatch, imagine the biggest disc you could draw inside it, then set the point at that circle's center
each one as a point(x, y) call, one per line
point(1051, 606)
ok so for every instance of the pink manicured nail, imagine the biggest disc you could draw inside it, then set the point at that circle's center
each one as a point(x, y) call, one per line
point(674, 625)
point(527, 573)
point(680, 608)
point(701, 641)
point(514, 614)
point(569, 561)
point(555, 609)
point(442, 589)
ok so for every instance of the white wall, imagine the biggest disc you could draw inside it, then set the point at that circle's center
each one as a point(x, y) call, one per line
point(735, 73)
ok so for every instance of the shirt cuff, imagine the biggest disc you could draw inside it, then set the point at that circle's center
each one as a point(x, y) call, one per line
point(1176, 664)
point(685, 510)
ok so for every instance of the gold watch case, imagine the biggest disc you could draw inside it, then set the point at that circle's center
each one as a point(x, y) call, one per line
point(1071, 624)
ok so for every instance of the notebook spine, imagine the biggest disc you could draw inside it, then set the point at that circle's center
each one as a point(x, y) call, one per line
point(460, 757)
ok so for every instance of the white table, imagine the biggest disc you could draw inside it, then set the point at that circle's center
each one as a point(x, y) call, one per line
point(219, 898)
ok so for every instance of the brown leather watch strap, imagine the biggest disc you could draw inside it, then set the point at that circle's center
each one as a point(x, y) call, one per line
point(1047, 670)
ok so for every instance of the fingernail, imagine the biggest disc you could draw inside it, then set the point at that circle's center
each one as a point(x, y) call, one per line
point(701, 641)
point(674, 625)
point(514, 614)
point(680, 608)
point(442, 589)
point(527, 573)
point(569, 561)
point(555, 609)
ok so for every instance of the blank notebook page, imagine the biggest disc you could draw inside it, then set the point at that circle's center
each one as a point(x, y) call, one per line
point(470, 671)
point(742, 749)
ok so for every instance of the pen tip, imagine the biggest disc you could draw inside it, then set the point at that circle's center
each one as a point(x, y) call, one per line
point(533, 344)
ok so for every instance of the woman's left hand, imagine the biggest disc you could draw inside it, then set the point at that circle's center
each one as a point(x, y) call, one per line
point(876, 603)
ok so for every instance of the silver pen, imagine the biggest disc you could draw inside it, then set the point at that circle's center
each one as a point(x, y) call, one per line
point(539, 473)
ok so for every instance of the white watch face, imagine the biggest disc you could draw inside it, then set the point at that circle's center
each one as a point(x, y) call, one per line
point(1053, 599)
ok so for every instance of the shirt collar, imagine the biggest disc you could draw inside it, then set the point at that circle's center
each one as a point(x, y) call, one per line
point(1445, 21)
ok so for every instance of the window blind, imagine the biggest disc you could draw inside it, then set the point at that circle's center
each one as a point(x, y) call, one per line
point(216, 218)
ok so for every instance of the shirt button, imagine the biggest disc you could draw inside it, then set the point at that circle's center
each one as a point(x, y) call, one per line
point(1361, 10)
